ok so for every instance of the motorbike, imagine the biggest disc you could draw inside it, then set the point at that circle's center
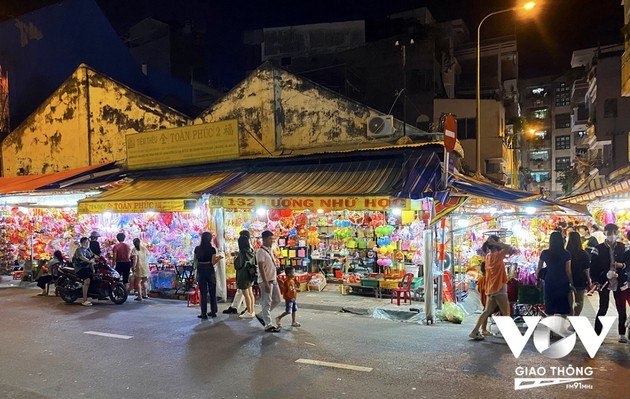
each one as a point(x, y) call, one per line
point(105, 283)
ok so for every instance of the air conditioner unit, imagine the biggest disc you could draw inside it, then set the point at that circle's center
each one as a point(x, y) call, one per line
point(380, 126)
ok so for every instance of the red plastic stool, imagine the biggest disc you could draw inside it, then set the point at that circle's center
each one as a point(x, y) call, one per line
point(18, 275)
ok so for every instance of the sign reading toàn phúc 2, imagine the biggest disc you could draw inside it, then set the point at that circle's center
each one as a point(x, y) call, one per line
point(186, 145)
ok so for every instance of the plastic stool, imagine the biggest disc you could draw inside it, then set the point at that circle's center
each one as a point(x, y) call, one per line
point(18, 275)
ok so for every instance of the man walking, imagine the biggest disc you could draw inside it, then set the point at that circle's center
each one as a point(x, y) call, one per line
point(608, 271)
point(268, 282)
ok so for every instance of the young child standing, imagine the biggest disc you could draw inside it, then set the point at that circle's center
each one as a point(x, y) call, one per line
point(290, 295)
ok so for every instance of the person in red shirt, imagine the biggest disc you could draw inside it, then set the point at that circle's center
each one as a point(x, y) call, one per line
point(290, 295)
point(121, 253)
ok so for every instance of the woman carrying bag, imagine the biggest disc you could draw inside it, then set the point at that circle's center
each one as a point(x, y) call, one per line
point(245, 265)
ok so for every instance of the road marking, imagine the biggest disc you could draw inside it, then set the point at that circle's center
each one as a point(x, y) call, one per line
point(102, 334)
point(335, 365)
point(309, 343)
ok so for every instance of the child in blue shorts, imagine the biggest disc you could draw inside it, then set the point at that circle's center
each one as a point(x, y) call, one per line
point(290, 295)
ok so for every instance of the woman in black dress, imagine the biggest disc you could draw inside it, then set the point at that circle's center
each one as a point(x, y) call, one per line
point(580, 264)
point(204, 261)
point(558, 279)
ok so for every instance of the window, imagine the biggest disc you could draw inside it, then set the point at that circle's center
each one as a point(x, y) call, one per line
point(466, 128)
point(563, 164)
point(542, 155)
point(563, 95)
point(610, 108)
point(541, 176)
point(494, 167)
point(563, 121)
point(539, 113)
point(581, 153)
point(541, 134)
point(563, 142)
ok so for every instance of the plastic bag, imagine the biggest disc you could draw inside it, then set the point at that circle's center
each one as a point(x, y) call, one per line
point(453, 313)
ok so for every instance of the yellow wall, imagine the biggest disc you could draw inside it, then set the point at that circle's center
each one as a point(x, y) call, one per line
point(59, 134)
point(307, 116)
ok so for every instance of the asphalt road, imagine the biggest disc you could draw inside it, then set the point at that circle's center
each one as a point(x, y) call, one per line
point(46, 353)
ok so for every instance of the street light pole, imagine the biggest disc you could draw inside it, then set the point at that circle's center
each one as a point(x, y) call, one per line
point(527, 6)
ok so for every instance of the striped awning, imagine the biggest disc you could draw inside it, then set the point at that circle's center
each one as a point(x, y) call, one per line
point(422, 173)
point(158, 195)
point(379, 177)
point(470, 186)
point(602, 193)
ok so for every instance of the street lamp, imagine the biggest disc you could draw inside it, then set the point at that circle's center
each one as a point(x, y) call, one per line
point(403, 49)
point(527, 6)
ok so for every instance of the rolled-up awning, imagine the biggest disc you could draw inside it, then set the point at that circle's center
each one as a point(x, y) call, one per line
point(158, 195)
point(30, 183)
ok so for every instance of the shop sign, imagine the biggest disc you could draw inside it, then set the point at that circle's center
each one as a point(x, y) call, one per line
point(139, 206)
point(377, 203)
point(187, 145)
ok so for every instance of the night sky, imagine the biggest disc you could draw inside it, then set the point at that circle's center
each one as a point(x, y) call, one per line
point(545, 42)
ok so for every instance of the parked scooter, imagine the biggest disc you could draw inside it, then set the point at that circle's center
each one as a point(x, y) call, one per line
point(105, 283)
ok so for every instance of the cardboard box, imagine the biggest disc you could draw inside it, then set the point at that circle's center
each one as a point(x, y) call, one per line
point(303, 286)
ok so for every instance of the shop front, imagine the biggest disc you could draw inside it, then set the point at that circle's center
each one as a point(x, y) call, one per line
point(38, 213)
point(168, 216)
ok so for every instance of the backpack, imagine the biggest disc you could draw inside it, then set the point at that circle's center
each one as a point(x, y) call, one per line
point(252, 269)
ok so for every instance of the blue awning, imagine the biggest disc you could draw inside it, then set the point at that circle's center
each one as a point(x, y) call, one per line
point(421, 174)
point(470, 186)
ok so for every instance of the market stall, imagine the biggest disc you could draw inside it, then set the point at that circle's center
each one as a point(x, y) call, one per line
point(335, 222)
point(168, 215)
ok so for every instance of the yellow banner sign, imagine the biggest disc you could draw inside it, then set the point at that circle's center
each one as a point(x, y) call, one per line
point(377, 203)
point(169, 205)
point(185, 145)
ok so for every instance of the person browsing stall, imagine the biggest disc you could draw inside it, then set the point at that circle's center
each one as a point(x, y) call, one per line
point(141, 271)
point(122, 259)
point(205, 259)
point(558, 277)
point(95, 246)
point(268, 281)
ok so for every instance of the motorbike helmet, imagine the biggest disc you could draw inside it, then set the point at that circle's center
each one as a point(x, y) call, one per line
point(94, 234)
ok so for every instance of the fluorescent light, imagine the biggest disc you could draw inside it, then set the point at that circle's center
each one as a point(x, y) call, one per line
point(261, 211)
point(530, 210)
point(396, 211)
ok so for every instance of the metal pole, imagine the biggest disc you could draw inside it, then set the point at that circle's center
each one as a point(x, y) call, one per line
point(427, 239)
point(404, 62)
point(453, 257)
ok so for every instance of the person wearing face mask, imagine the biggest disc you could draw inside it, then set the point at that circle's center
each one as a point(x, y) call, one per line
point(609, 271)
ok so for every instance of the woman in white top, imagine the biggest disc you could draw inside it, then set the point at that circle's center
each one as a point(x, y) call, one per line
point(140, 266)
